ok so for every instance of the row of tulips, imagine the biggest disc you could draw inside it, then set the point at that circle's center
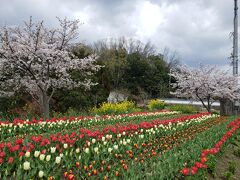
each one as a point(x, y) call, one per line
point(81, 132)
point(187, 144)
point(20, 127)
point(42, 156)
point(16, 121)
point(233, 126)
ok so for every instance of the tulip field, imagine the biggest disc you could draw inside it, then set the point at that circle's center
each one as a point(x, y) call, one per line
point(144, 145)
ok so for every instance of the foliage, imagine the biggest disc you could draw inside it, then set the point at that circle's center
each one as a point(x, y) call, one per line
point(132, 65)
point(115, 108)
point(126, 64)
point(232, 167)
point(211, 164)
point(205, 84)
point(227, 175)
point(237, 152)
point(183, 108)
point(155, 104)
point(149, 74)
point(38, 59)
point(9, 103)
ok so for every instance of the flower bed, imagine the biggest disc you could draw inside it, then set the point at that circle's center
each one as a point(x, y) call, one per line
point(21, 127)
point(233, 126)
point(111, 152)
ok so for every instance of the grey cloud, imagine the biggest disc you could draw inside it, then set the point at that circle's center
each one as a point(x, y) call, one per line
point(198, 30)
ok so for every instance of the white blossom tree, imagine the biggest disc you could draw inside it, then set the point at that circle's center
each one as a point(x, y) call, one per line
point(39, 60)
point(206, 84)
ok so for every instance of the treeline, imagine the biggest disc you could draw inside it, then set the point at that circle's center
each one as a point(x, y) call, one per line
point(128, 66)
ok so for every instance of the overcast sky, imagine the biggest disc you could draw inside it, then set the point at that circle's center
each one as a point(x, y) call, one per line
point(197, 29)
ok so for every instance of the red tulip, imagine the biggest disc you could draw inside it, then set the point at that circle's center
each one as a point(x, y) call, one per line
point(198, 164)
point(24, 148)
point(20, 154)
point(8, 144)
point(194, 170)
point(2, 145)
point(70, 177)
point(10, 160)
point(18, 141)
point(65, 174)
point(77, 164)
point(184, 171)
point(2, 154)
point(203, 159)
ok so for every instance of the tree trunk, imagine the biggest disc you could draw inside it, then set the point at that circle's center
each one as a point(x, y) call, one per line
point(228, 108)
point(223, 107)
point(207, 107)
point(44, 103)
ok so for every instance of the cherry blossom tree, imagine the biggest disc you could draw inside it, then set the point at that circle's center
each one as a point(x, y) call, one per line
point(38, 59)
point(206, 84)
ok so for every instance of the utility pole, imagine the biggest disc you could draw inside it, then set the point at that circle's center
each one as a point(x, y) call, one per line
point(235, 51)
point(229, 107)
point(235, 39)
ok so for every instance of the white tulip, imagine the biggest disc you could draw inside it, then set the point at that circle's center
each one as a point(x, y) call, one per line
point(86, 150)
point(103, 138)
point(65, 146)
point(36, 153)
point(78, 150)
point(58, 160)
point(40, 174)
point(41, 157)
point(27, 154)
point(93, 141)
point(53, 149)
point(109, 150)
point(48, 157)
point(96, 149)
point(115, 147)
point(26, 165)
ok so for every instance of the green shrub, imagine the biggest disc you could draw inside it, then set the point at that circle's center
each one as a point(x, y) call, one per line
point(232, 167)
point(227, 175)
point(115, 108)
point(183, 108)
point(236, 152)
point(211, 164)
point(155, 104)
point(215, 112)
